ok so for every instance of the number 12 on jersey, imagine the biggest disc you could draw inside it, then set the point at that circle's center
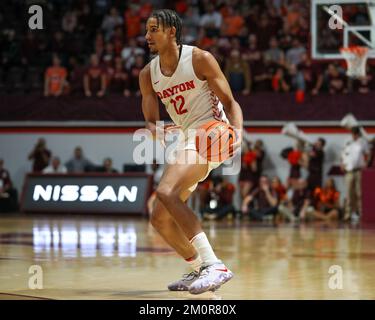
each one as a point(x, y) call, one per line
point(180, 100)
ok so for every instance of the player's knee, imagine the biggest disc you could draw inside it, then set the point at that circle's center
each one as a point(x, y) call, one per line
point(165, 193)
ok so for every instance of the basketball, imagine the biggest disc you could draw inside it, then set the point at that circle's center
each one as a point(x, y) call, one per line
point(214, 141)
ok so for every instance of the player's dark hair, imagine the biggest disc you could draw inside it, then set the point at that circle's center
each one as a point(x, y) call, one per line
point(356, 131)
point(169, 18)
point(322, 141)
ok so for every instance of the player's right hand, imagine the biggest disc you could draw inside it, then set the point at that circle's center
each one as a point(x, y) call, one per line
point(162, 131)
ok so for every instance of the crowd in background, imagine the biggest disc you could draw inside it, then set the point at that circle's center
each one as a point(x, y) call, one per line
point(300, 197)
point(98, 48)
point(311, 196)
point(95, 48)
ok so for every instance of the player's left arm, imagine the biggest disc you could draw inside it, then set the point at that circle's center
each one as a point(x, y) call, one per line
point(207, 68)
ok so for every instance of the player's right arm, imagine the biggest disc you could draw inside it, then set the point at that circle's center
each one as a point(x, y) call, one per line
point(150, 103)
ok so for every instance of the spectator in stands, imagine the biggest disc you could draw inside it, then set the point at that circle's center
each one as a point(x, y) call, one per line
point(75, 74)
point(129, 53)
point(134, 75)
point(264, 30)
point(281, 190)
point(280, 81)
point(253, 56)
point(277, 185)
point(78, 163)
point(298, 205)
point(336, 79)
point(108, 58)
point(40, 156)
point(232, 23)
point(95, 78)
point(55, 79)
point(99, 44)
point(8, 195)
point(262, 202)
point(248, 175)
point(274, 55)
point(107, 166)
point(309, 76)
point(314, 160)
point(118, 40)
point(295, 54)
point(326, 202)
point(110, 22)
point(204, 41)
point(120, 79)
point(69, 21)
point(211, 21)
point(58, 45)
point(220, 199)
point(237, 72)
point(132, 21)
point(55, 166)
point(191, 21)
point(260, 155)
point(353, 160)
point(364, 84)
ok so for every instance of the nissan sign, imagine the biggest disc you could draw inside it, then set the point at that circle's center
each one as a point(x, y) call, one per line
point(86, 193)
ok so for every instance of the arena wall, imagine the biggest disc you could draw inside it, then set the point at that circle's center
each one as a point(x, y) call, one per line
point(119, 145)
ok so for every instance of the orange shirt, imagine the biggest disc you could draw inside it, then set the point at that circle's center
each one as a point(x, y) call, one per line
point(133, 25)
point(326, 196)
point(181, 6)
point(233, 25)
point(249, 157)
point(281, 191)
point(56, 76)
point(205, 43)
point(145, 11)
point(294, 157)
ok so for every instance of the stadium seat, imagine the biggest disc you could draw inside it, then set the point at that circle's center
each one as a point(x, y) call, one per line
point(34, 79)
point(14, 80)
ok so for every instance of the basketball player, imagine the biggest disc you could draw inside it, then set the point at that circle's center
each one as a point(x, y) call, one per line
point(190, 84)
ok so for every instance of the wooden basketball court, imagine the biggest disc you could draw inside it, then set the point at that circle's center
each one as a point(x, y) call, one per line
point(124, 258)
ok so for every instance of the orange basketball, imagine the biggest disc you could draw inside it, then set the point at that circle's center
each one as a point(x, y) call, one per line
point(214, 141)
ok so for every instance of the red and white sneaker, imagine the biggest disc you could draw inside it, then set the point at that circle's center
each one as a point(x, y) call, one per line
point(211, 278)
point(184, 283)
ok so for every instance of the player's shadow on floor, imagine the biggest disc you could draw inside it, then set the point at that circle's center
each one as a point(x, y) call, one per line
point(166, 294)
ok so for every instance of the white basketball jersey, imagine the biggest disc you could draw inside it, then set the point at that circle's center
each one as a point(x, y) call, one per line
point(188, 100)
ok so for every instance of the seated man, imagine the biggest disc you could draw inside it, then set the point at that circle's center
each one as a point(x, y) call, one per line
point(55, 166)
point(8, 195)
point(221, 199)
point(78, 163)
point(262, 202)
point(95, 78)
point(299, 205)
point(107, 166)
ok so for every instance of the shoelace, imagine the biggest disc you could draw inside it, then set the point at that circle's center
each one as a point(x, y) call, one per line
point(203, 272)
point(190, 275)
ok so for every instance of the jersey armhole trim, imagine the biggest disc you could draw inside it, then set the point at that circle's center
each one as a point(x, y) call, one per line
point(192, 67)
